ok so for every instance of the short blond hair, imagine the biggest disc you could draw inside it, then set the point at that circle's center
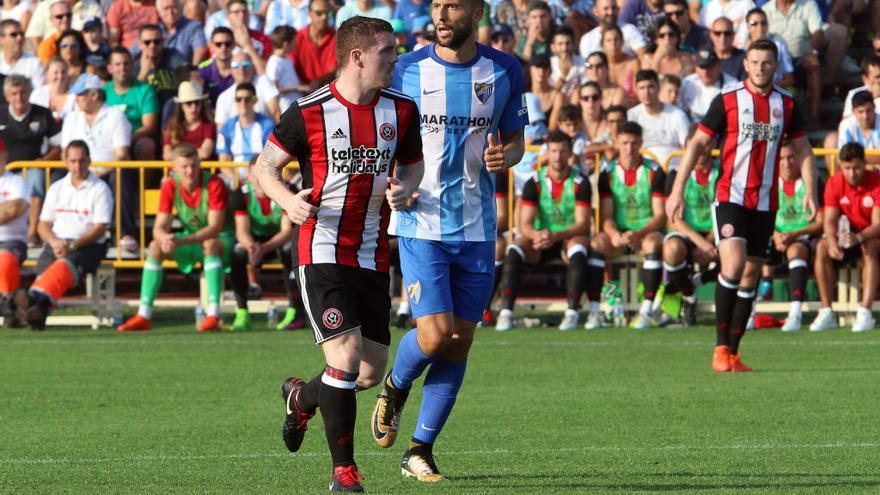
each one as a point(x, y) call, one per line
point(185, 150)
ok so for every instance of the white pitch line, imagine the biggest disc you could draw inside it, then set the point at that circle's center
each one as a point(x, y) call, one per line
point(269, 455)
point(480, 343)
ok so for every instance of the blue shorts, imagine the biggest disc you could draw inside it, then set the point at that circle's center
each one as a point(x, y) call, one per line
point(447, 276)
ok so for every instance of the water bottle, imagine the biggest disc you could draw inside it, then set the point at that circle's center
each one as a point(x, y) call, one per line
point(272, 316)
point(200, 316)
point(619, 319)
point(843, 228)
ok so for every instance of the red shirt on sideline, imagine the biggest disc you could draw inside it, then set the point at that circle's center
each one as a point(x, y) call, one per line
point(854, 202)
point(218, 195)
point(314, 61)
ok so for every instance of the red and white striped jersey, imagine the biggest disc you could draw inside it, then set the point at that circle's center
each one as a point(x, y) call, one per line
point(346, 152)
point(751, 128)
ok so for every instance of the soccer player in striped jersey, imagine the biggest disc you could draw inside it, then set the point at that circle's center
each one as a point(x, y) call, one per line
point(466, 94)
point(750, 119)
point(357, 144)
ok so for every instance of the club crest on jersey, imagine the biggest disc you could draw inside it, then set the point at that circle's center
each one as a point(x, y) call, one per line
point(332, 318)
point(777, 113)
point(386, 131)
point(484, 91)
point(414, 291)
point(868, 202)
point(727, 230)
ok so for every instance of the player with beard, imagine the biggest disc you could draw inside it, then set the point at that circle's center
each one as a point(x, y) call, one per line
point(357, 144)
point(751, 120)
point(467, 93)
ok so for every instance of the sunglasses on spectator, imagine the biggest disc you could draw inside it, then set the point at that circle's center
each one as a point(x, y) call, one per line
point(722, 33)
point(242, 64)
point(666, 34)
point(248, 99)
point(224, 44)
point(16, 34)
point(72, 44)
point(757, 23)
point(154, 41)
point(597, 65)
point(593, 97)
point(63, 16)
point(676, 13)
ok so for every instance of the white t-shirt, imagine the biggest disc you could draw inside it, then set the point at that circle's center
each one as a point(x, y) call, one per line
point(225, 108)
point(40, 97)
point(110, 130)
point(695, 97)
point(735, 10)
point(576, 76)
point(28, 66)
point(75, 210)
point(847, 104)
point(632, 40)
point(661, 134)
point(280, 70)
point(12, 187)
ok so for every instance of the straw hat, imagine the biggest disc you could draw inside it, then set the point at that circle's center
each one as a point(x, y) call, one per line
point(189, 91)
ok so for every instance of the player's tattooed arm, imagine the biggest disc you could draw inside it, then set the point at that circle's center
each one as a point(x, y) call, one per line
point(514, 147)
point(269, 165)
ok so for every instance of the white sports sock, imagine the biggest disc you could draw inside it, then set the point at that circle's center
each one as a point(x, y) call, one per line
point(594, 307)
point(403, 309)
point(795, 308)
point(647, 307)
point(146, 312)
point(213, 310)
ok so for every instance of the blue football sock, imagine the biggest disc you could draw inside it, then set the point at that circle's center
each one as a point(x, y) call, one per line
point(410, 361)
point(441, 387)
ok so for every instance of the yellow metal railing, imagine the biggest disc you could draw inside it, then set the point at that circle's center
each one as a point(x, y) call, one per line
point(141, 167)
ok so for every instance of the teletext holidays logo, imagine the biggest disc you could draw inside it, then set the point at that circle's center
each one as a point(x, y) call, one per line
point(360, 160)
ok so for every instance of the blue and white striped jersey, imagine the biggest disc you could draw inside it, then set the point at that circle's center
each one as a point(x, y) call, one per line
point(459, 105)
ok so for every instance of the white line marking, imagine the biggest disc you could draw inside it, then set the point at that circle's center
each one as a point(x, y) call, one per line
point(269, 455)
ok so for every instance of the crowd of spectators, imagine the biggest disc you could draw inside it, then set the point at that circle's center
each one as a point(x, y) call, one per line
point(134, 78)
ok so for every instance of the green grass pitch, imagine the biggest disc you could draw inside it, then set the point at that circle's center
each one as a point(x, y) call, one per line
point(541, 412)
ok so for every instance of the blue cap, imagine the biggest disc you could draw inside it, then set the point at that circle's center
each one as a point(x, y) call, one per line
point(502, 29)
point(86, 82)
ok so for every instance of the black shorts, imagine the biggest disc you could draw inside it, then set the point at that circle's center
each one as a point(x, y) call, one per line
point(17, 248)
point(86, 259)
point(755, 228)
point(688, 244)
point(341, 299)
point(775, 257)
point(851, 256)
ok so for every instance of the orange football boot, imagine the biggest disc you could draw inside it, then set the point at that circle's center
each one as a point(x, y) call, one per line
point(736, 366)
point(136, 323)
point(721, 359)
point(210, 324)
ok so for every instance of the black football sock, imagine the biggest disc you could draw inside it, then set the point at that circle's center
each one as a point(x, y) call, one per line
point(679, 279)
point(741, 313)
point(339, 411)
point(499, 266)
point(652, 275)
point(238, 275)
point(725, 300)
point(309, 396)
point(577, 267)
point(797, 279)
point(511, 276)
point(709, 274)
point(595, 274)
